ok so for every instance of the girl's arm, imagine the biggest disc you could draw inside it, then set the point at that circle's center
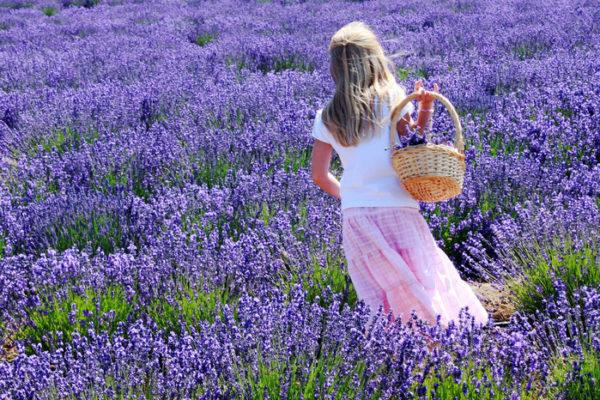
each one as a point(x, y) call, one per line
point(404, 123)
point(423, 119)
point(425, 110)
point(321, 160)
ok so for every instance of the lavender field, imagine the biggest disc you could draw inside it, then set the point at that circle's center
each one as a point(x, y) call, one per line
point(161, 236)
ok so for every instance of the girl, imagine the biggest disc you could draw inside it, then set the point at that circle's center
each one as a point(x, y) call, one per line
point(392, 257)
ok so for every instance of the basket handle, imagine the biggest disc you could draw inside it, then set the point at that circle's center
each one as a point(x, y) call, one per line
point(395, 116)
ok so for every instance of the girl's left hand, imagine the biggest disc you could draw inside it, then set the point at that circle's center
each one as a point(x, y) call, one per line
point(425, 98)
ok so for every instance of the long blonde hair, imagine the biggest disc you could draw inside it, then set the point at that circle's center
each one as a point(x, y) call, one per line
point(361, 72)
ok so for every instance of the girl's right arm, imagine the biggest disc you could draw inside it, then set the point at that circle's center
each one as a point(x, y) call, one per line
point(425, 110)
point(321, 160)
point(425, 105)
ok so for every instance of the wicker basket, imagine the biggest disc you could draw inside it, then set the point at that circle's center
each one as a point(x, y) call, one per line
point(429, 172)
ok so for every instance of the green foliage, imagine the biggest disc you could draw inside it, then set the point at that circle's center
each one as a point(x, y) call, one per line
point(566, 153)
point(501, 144)
point(239, 64)
point(543, 260)
point(265, 211)
point(16, 4)
point(405, 73)
point(115, 178)
point(464, 7)
point(300, 220)
point(565, 112)
point(211, 171)
point(192, 222)
point(317, 277)
point(296, 159)
point(279, 64)
point(188, 306)
point(441, 383)
point(136, 180)
point(265, 215)
point(204, 39)
point(332, 275)
point(487, 203)
point(62, 140)
point(49, 11)
point(444, 232)
point(127, 175)
point(475, 113)
point(81, 3)
point(581, 384)
point(306, 376)
point(422, 73)
point(2, 245)
point(231, 119)
point(101, 310)
point(293, 159)
point(102, 230)
point(527, 50)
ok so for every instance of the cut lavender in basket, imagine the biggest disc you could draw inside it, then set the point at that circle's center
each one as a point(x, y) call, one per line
point(416, 138)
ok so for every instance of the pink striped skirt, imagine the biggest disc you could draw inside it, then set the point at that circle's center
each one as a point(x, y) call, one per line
point(394, 262)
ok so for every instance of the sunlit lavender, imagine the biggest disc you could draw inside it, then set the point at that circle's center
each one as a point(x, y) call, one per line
point(161, 236)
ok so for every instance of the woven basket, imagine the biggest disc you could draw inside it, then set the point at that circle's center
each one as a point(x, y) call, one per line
point(429, 172)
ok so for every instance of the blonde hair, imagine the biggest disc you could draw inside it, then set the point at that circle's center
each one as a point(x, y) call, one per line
point(361, 72)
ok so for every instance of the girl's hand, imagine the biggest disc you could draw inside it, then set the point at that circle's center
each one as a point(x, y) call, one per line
point(425, 98)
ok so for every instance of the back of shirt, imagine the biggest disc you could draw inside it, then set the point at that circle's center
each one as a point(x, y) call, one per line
point(369, 179)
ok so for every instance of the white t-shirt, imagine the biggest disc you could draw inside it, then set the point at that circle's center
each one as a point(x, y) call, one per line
point(368, 179)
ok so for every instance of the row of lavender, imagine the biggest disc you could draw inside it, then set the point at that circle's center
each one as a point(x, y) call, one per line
point(160, 235)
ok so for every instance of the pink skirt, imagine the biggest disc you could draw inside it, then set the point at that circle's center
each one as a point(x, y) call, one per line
point(394, 262)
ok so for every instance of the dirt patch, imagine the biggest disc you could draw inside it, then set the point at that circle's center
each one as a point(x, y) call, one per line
point(497, 300)
point(8, 350)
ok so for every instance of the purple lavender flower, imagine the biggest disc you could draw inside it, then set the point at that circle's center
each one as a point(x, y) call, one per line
point(159, 153)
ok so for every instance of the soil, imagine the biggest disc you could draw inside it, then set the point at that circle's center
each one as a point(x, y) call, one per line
point(8, 351)
point(497, 300)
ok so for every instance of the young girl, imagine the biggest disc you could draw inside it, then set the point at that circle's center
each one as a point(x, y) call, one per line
point(392, 257)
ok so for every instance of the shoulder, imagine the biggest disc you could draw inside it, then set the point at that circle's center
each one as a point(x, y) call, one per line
point(319, 130)
point(396, 96)
point(318, 120)
point(396, 93)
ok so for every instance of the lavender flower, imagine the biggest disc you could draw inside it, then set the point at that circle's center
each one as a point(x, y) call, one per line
point(154, 151)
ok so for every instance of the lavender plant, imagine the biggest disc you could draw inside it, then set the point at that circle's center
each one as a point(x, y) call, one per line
point(160, 235)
